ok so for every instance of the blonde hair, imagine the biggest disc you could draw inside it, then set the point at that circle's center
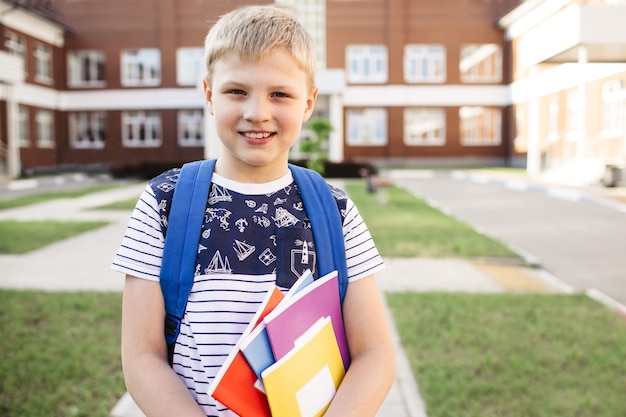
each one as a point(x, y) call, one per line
point(254, 31)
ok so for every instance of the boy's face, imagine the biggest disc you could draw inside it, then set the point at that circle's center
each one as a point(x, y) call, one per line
point(259, 109)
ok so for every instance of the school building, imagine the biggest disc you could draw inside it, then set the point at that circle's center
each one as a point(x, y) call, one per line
point(115, 84)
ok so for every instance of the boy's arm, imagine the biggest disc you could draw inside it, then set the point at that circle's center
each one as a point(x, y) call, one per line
point(373, 365)
point(156, 389)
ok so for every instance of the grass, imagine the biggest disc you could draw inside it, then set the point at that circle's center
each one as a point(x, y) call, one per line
point(17, 237)
point(47, 196)
point(514, 355)
point(408, 227)
point(496, 355)
point(473, 355)
point(59, 354)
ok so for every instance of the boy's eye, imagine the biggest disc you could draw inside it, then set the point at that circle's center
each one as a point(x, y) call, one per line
point(279, 94)
point(236, 91)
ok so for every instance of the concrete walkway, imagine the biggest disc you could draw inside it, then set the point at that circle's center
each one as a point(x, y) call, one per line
point(83, 263)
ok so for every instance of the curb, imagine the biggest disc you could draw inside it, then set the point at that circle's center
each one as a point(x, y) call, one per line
point(607, 301)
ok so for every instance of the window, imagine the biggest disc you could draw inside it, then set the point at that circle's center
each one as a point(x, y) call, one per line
point(85, 68)
point(191, 128)
point(87, 130)
point(45, 129)
point(141, 129)
point(312, 14)
point(480, 126)
point(424, 63)
point(481, 63)
point(23, 127)
point(520, 144)
point(574, 115)
point(553, 118)
point(141, 67)
point(16, 45)
point(613, 108)
point(424, 127)
point(367, 127)
point(43, 63)
point(366, 64)
point(190, 66)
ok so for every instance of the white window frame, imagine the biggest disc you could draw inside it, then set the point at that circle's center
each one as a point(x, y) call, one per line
point(190, 66)
point(424, 126)
point(366, 127)
point(553, 118)
point(480, 126)
point(312, 14)
point(481, 63)
point(191, 128)
point(43, 63)
point(613, 108)
point(44, 120)
point(424, 63)
point(141, 67)
point(86, 68)
point(574, 115)
point(366, 64)
point(519, 142)
point(141, 129)
point(23, 126)
point(87, 130)
point(16, 45)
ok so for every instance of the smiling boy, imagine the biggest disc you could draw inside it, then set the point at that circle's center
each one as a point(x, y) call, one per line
point(260, 89)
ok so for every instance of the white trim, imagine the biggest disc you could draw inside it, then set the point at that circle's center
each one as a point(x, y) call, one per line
point(559, 78)
point(126, 99)
point(32, 25)
point(427, 95)
point(529, 14)
point(192, 98)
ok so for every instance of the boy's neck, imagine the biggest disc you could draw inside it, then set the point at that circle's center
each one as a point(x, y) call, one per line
point(250, 174)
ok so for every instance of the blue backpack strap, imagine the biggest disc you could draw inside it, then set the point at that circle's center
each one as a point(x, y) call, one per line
point(326, 224)
point(181, 243)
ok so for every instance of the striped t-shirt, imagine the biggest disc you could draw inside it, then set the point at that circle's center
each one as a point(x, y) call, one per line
point(253, 236)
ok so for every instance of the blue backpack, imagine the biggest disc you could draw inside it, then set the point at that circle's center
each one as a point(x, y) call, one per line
point(185, 223)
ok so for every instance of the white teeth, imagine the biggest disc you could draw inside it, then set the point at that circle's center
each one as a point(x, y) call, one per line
point(257, 135)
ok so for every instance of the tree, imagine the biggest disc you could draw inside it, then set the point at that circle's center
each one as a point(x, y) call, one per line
point(317, 148)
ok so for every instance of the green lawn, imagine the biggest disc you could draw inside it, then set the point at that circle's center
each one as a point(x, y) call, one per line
point(408, 227)
point(47, 196)
point(17, 237)
point(59, 354)
point(495, 355)
point(474, 355)
point(514, 355)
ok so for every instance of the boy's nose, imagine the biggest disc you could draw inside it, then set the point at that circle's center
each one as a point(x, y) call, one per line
point(257, 109)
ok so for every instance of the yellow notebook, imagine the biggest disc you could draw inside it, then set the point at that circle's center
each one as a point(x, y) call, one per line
point(304, 382)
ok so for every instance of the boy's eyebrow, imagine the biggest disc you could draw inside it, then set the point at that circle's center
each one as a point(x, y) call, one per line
point(235, 83)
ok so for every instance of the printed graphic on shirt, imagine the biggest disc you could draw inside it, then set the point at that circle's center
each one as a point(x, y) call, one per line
point(250, 234)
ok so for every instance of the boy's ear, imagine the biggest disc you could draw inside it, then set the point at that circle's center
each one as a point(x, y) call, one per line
point(310, 104)
point(208, 95)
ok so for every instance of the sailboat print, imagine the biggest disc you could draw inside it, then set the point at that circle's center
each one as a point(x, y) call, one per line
point(243, 249)
point(218, 265)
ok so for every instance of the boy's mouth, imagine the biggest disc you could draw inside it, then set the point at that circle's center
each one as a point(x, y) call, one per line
point(258, 138)
point(257, 135)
